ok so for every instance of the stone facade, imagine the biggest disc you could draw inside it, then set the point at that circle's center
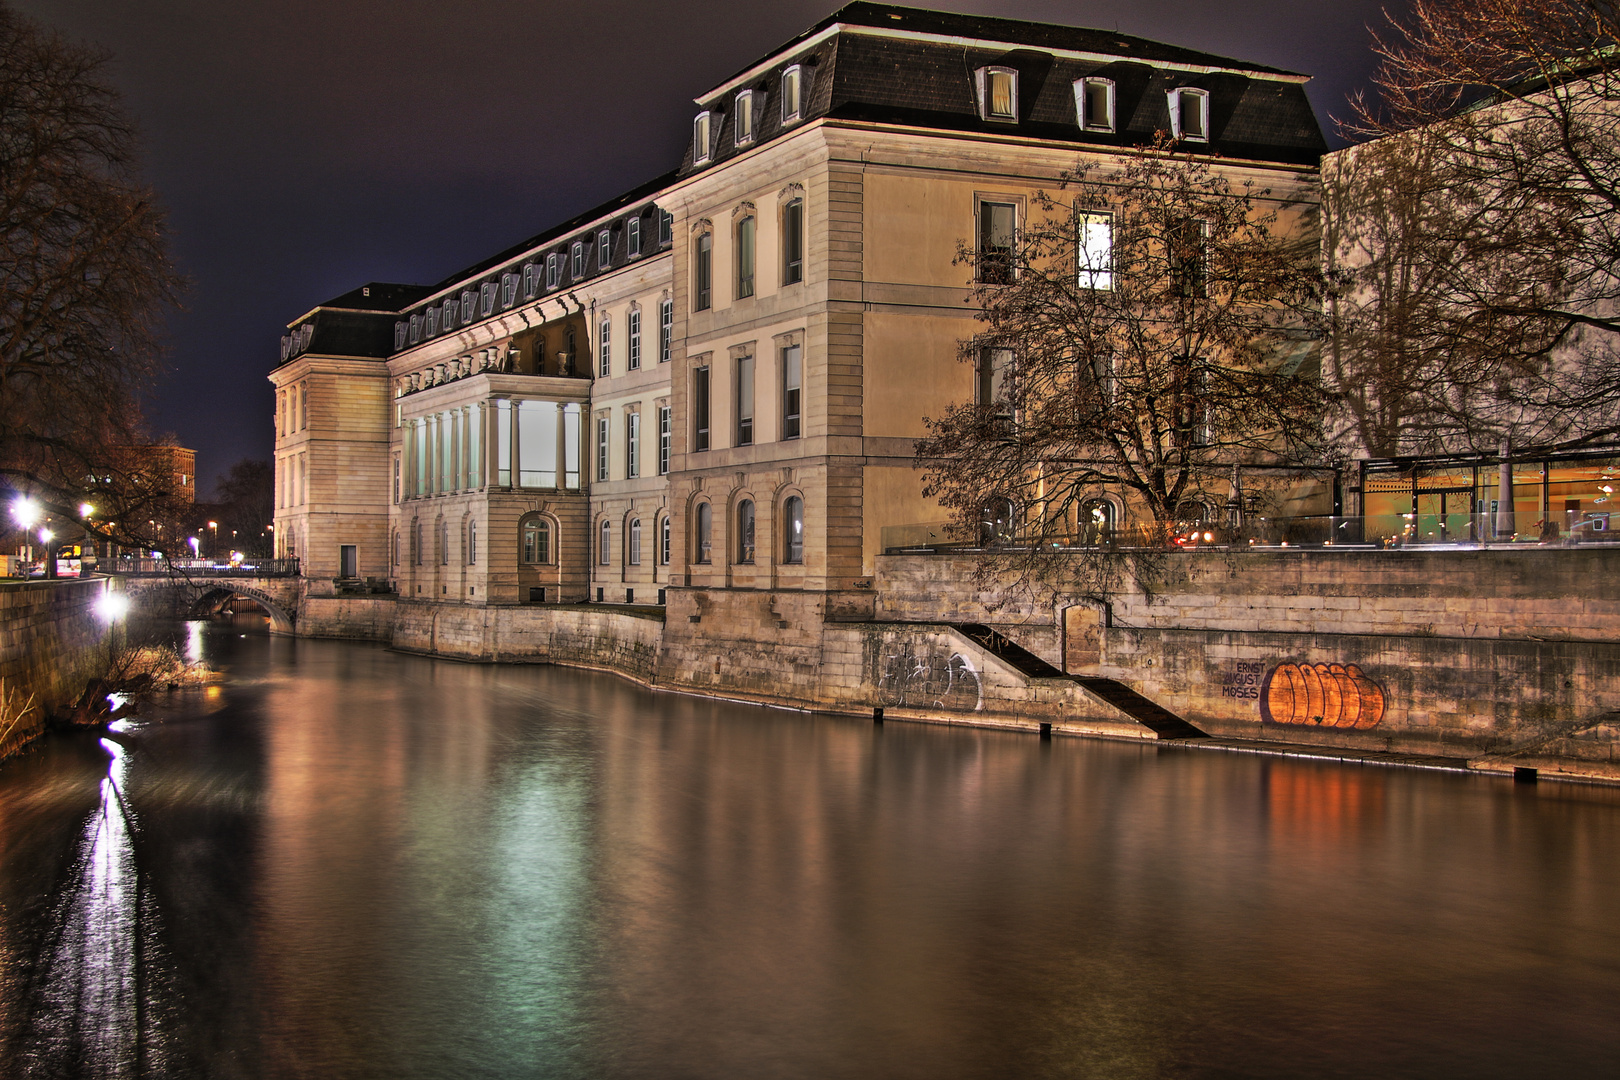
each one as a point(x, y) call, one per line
point(52, 642)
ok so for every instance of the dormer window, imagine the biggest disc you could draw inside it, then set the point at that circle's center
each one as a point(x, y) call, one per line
point(449, 314)
point(509, 284)
point(1094, 104)
point(743, 118)
point(792, 94)
point(702, 147)
point(1189, 114)
point(998, 93)
point(531, 281)
point(666, 228)
point(416, 329)
point(577, 257)
point(469, 307)
point(604, 249)
point(486, 298)
point(553, 269)
point(400, 330)
point(432, 322)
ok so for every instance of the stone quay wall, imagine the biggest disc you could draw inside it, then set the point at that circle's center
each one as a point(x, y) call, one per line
point(52, 642)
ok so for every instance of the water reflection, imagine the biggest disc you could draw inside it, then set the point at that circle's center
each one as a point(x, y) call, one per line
point(354, 863)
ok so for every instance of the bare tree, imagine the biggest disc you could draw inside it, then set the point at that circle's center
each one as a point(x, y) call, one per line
point(1473, 247)
point(84, 281)
point(246, 497)
point(1151, 331)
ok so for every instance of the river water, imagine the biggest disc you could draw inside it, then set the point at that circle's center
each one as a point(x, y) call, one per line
point(345, 862)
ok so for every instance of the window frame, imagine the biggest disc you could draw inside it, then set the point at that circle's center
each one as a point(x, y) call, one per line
point(703, 534)
point(632, 542)
point(632, 237)
point(666, 438)
point(793, 530)
point(793, 241)
point(744, 387)
point(604, 435)
point(702, 405)
point(792, 395)
point(1176, 97)
point(703, 271)
point(553, 270)
point(745, 249)
point(666, 539)
point(472, 542)
point(1102, 280)
point(702, 137)
point(666, 329)
point(541, 527)
point(746, 518)
point(576, 260)
point(745, 117)
point(632, 359)
point(604, 249)
point(1083, 115)
point(794, 72)
point(604, 543)
point(632, 444)
point(983, 266)
point(604, 347)
point(985, 78)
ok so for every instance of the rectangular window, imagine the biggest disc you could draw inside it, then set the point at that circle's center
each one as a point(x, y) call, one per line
point(994, 367)
point(1186, 257)
point(432, 322)
point(1189, 114)
point(509, 288)
point(537, 444)
point(666, 330)
point(792, 391)
point(604, 352)
point(632, 445)
point(1095, 257)
point(793, 242)
point(700, 408)
point(745, 401)
point(602, 433)
point(531, 281)
point(469, 307)
point(604, 249)
point(397, 475)
point(633, 351)
point(577, 271)
point(743, 120)
point(486, 297)
point(571, 447)
point(472, 543)
point(503, 442)
point(792, 88)
point(700, 138)
point(998, 230)
point(702, 272)
point(666, 228)
point(553, 270)
point(416, 329)
point(1094, 104)
point(745, 258)
point(998, 93)
point(632, 234)
point(666, 436)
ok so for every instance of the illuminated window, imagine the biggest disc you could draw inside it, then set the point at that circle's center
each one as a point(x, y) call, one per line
point(745, 532)
point(1095, 250)
point(703, 549)
point(743, 117)
point(998, 93)
point(793, 530)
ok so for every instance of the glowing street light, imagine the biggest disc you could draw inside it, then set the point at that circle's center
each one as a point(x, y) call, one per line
point(193, 541)
point(85, 510)
point(112, 606)
point(26, 511)
point(45, 536)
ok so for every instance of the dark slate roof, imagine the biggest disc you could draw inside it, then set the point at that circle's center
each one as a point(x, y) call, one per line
point(923, 83)
point(1020, 32)
point(379, 296)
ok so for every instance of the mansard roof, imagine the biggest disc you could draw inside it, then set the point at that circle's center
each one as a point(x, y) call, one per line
point(882, 64)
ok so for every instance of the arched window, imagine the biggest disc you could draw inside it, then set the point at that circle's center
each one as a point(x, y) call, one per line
point(1097, 521)
point(394, 550)
point(793, 530)
point(745, 531)
point(604, 546)
point(444, 542)
point(537, 541)
point(705, 533)
point(416, 547)
point(633, 550)
point(663, 540)
point(472, 543)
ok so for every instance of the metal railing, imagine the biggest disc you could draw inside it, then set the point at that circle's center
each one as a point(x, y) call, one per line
point(198, 568)
point(1270, 533)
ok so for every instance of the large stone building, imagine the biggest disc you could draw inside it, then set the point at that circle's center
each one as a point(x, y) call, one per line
point(710, 386)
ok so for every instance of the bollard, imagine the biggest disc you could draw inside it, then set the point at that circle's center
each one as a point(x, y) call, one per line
point(1522, 775)
point(877, 715)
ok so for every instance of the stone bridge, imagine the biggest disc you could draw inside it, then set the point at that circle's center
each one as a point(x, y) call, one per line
point(190, 596)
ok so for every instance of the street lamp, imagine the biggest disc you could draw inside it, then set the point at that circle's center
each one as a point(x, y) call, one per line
point(213, 549)
point(26, 511)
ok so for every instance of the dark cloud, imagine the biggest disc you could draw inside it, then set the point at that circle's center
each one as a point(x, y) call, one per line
point(305, 146)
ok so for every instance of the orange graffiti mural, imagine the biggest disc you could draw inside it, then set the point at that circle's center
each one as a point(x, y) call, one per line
point(1321, 695)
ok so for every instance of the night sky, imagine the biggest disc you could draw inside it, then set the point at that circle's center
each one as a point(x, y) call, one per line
point(304, 147)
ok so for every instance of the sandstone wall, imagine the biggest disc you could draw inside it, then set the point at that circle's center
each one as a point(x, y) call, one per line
point(623, 640)
point(51, 642)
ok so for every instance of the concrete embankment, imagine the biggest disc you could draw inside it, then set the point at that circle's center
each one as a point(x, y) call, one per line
point(52, 641)
point(1494, 659)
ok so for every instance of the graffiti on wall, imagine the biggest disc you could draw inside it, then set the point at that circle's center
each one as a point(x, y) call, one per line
point(923, 678)
point(1321, 695)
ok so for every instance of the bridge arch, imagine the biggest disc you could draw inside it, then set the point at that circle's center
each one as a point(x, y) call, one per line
point(210, 601)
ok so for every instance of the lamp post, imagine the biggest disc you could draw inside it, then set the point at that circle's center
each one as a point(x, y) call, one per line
point(213, 547)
